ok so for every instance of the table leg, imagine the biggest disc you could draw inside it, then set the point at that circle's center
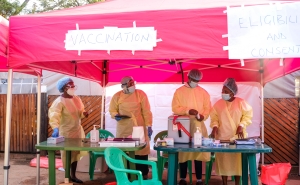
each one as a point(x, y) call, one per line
point(244, 169)
point(172, 168)
point(253, 169)
point(132, 166)
point(51, 163)
point(68, 162)
point(160, 167)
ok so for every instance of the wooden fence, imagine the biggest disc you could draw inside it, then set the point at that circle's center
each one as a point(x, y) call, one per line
point(23, 122)
point(281, 130)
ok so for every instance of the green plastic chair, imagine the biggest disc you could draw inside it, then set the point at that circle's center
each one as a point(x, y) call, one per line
point(162, 159)
point(103, 134)
point(208, 169)
point(114, 159)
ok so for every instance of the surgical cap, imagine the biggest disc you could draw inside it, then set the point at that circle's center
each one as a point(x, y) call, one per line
point(231, 84)
point(195, 74)
point(62, 82)
point(126, 79)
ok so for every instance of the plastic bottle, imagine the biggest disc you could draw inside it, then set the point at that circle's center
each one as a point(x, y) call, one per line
point(198, 138)
point(94, 134)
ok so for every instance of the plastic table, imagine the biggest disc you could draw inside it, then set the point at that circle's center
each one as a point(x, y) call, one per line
point(76, 144)
point(248, 157)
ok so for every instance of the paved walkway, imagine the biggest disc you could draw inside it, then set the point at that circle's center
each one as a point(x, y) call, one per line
point(21, 173)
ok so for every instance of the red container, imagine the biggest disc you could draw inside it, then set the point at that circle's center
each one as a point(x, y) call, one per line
point(111, 183)
point(275, 174)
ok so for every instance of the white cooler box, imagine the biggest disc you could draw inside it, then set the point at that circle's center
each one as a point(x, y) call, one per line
point(173, 132)
point(84, 164)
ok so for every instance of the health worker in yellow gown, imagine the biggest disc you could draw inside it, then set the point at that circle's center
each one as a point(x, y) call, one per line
point(133, 103)
point(65, 116)
point(229, 118)
point(193, 101)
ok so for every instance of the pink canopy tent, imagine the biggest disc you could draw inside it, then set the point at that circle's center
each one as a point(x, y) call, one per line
point(22, 69)
point(191, 34)
point(3, 36)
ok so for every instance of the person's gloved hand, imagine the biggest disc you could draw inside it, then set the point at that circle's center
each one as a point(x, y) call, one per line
point(150, 131)
point(193, 112)
point(55, 132)
point(117, 118)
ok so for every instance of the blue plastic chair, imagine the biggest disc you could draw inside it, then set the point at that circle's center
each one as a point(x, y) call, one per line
point(103, 134)
point(114, 159)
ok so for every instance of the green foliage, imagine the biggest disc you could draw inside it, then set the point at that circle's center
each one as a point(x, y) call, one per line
point(21, 7)
point(49, 5)
point(8, 8)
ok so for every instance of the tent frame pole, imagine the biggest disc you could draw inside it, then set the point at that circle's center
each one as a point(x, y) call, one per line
point(262, 107)
point(104, 72)
point(38, 129)
point(6, 165)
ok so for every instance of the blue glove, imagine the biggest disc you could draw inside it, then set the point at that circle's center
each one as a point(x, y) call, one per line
point(117, 117)
point(55, 132)
point(150, 131)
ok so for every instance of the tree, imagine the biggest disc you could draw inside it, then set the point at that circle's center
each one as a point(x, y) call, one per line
point(49, 5)
point(8, 9)
point(15, 7)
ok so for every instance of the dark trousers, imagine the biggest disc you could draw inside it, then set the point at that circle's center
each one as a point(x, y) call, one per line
point(142, 167)
point(198, 169)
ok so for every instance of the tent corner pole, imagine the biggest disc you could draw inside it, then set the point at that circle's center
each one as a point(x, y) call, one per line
point(262, 107)
point(6, 165)
point(38, 128)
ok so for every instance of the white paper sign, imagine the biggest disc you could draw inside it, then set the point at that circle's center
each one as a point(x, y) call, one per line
point(112, 38)
point(264, 31)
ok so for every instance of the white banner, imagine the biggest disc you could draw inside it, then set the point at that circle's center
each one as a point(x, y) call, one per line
point(112, 38)
point(264, 31)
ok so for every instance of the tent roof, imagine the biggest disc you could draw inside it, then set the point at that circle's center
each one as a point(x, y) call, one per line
point(191, 33)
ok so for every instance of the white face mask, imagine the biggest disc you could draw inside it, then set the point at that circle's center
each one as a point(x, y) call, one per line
point(193, 84)
point(71, 91)
point(226, 97)
point(131, 89)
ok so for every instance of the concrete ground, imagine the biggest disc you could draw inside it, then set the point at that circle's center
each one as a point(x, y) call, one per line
point(21, 173)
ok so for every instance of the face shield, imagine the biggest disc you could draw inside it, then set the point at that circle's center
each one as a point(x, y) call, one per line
point(129, 87)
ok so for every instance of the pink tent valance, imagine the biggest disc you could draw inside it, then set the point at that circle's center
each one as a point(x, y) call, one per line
point(3, 36)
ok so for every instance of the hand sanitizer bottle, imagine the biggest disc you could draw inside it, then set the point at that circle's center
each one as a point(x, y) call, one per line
point(197, 138)
point(94, 134)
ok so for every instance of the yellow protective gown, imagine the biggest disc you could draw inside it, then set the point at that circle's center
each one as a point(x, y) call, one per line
point(227, 116)
point(136, 106)
point(186, 98)
point(66, 114)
